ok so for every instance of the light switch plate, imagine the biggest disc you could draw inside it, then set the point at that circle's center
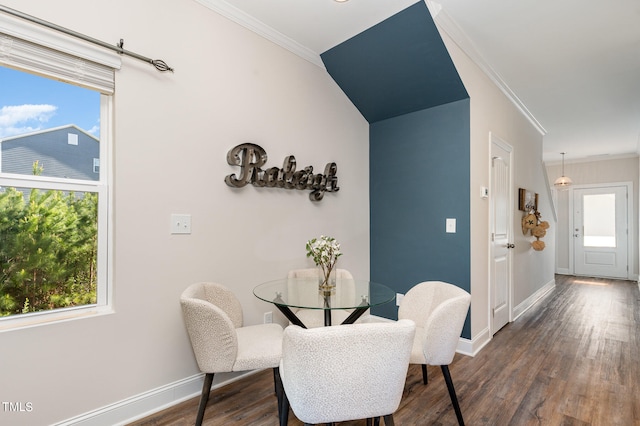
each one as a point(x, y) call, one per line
point(180, 223)
point(451, 225)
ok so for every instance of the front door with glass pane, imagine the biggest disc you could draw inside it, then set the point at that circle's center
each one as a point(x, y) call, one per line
point(600, 231)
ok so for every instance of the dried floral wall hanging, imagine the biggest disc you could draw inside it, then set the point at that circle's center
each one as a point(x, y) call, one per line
point(532, 223)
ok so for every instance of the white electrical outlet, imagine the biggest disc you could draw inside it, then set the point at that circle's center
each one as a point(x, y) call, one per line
point(268, 317)
point(399, 297)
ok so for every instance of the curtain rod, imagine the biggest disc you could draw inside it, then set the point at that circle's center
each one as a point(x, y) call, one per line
point(159, 64)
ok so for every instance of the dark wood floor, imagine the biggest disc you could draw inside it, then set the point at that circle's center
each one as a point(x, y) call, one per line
point(573, 359)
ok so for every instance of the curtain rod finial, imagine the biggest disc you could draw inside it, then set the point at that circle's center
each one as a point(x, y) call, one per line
point(161, 65)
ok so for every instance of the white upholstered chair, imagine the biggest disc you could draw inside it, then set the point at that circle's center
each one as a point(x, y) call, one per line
point(345, 372)
point(213, 318)
point(315, 317)
point(439, 310)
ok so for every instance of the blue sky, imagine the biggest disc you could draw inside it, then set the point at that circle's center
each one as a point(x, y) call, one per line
point(29, 103)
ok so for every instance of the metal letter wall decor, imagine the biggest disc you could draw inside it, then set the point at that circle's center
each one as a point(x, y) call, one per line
point(251, 157)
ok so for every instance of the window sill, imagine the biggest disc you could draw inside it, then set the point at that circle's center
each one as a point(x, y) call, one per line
point(36, 319)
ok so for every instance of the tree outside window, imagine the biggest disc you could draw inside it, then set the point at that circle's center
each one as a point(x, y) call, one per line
point(50, 194)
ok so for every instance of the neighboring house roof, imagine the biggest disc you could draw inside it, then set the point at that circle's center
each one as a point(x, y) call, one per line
point(65, 151)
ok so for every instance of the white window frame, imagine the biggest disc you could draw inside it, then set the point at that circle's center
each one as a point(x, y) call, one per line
point(47, 53)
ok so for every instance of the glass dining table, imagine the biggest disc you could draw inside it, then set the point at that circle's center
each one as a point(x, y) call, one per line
point(305, 293)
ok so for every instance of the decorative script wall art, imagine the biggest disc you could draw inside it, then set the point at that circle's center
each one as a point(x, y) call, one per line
point(251, 157)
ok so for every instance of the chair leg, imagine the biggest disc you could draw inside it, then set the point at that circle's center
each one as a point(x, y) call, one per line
point(388, 420)
point(204, 398)
point(284, 411)
point(425, 379)
point(452, 393)
point(277, 382)
point(276, 374)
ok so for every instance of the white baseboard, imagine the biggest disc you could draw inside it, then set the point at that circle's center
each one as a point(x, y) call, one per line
point(631, 277)
point(146, 403)
point(471, 347)
point(533, 299)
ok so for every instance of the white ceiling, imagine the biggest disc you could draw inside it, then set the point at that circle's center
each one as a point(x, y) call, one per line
point(574, 64)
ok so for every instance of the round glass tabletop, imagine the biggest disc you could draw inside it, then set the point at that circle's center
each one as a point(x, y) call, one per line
point(305, 293)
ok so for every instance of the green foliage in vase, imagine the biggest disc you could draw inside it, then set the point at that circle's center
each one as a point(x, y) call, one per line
point(325, 252)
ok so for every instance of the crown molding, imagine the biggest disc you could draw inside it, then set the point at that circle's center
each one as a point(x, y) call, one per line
point(593, 159)
point(440, 17)
point(238, 16)
point(444, 21)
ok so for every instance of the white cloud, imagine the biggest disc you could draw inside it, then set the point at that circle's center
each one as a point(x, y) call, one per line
point(95, 130)
point(17, 119)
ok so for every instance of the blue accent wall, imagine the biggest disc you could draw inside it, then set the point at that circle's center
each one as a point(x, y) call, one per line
point(400, 76)
point(419, 176)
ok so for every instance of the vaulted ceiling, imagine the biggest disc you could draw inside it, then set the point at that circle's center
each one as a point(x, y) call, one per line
point(574, 65)
point(396, 67)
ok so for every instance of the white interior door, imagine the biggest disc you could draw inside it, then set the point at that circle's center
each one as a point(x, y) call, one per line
point(501, 234)
point(600, 232)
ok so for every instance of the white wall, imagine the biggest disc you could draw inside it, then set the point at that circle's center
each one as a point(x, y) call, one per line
point(615, 170)
point(493, 112)
point(172, 133)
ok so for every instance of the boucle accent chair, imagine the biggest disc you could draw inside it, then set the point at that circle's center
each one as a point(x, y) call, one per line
point(345, 372)
point(439, 310)
point(315, 317)
point(213, 318)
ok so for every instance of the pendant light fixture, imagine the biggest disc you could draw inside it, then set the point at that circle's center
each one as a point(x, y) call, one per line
point(563, 182)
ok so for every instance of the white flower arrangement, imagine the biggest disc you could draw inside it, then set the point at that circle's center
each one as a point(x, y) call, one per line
point(325, 252)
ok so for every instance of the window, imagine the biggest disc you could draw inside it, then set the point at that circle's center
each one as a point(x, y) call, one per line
point(599, 212)
point(55, 114)
point(72, 139)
